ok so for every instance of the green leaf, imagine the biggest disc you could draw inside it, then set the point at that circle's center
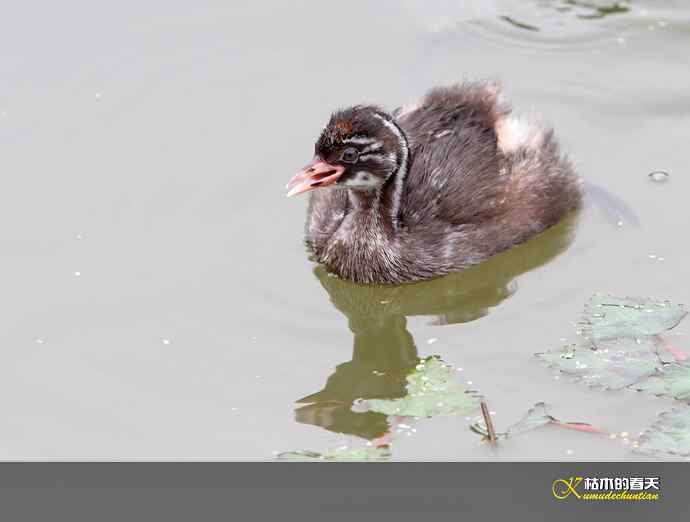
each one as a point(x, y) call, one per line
point(368, 453)
point(614, 366)
point(621, 348)
point(299, 455)
point(431, 391)
point(536, 417)
point(672, 379)
point(609, 317)
point(669, 436)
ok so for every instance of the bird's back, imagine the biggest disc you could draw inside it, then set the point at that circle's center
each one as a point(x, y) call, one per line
point(455, 170)
point(476, 169)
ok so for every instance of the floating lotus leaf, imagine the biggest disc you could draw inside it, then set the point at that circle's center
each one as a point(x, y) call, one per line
point(431, 390)
point(367, 453)
point(669, 436)
point(609, 317)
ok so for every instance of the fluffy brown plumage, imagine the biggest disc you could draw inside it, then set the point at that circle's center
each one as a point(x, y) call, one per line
point(435, 188)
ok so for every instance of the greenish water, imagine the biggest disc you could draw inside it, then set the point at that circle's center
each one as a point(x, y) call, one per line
point(157, 299)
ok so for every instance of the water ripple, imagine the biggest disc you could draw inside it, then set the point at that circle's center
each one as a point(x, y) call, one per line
point(559, 26)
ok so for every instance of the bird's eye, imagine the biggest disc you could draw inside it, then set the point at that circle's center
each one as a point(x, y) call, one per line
point(350, 155)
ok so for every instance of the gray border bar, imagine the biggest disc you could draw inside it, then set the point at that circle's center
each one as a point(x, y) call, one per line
point(269, 491)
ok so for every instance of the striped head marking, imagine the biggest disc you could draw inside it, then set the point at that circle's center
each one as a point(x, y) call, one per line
point(366, 143)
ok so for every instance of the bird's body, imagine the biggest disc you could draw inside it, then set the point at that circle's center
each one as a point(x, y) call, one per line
point(438, 187)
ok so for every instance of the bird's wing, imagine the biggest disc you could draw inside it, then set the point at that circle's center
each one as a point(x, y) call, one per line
point(455, 173)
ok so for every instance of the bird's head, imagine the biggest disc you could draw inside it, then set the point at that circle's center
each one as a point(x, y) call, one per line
point(360, 148)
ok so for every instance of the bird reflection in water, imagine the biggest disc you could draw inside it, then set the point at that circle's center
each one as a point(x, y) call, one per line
point(384, 351)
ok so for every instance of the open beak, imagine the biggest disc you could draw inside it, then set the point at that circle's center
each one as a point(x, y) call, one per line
point(317, 174)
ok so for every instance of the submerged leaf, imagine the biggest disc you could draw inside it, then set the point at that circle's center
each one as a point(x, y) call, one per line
point(672, 379)
point(669, 436)
point(298, 455)
point(614, 367)
point(368, 453)
point(620, 345)
point(609, 317)
point(431, 391)
point(536, 417)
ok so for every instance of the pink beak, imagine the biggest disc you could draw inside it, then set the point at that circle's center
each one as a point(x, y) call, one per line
point(317, 174)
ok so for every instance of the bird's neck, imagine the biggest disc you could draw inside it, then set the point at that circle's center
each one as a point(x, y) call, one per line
point(384, 202)
point(377, 208)
point(400, 174)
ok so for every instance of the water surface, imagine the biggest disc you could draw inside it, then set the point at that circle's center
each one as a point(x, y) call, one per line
point(157, 299)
